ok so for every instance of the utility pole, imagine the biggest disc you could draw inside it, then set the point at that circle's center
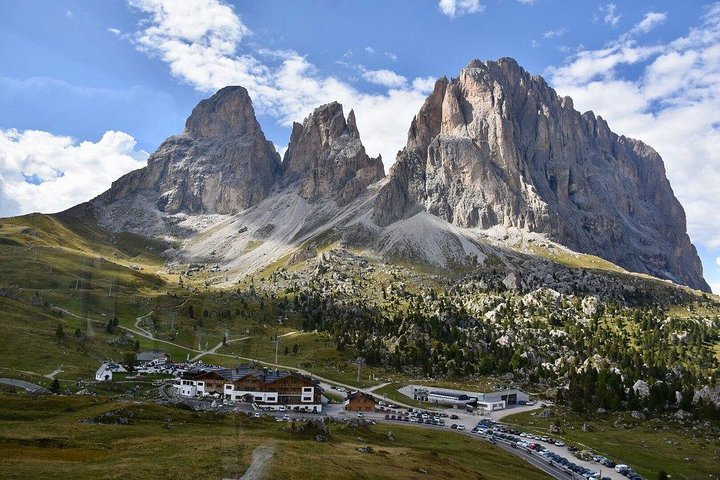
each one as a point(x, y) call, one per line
point(277, 344)
point(110, 290)
point(360, 361)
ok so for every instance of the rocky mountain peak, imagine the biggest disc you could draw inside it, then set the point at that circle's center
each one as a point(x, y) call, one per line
point(498, 146)
point(228, 113)
point(326, 157)
point(222, 163)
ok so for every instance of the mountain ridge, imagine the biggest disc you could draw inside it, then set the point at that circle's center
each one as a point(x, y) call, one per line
point(494, 147)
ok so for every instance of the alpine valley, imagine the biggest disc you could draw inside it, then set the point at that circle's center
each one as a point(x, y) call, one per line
point(514, 242)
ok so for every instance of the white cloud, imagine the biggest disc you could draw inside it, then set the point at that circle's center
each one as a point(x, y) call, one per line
point(717, 261)
point(649, 21)
point(555, 33)
point(370, 50)
point(69, 14)
point(715, 287)
point(386, 78)
point(453, 8)
point(203, 44)
point(534, 43)
point(610, 16)
point(391, 56)
point(527, 2)
point(673, 105)
point(114, 31)
point(43, 172)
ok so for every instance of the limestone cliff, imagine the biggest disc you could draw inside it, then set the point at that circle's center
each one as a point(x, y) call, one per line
point(327, 158)
point(222, 163)
point(498, 146)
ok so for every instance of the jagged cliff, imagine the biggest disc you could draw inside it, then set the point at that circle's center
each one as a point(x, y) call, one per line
point(494, 147)
point(328, 159)
point(222, 163)
point(498, 146)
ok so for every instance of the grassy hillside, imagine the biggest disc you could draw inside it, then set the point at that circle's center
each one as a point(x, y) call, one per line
point(46, 437)
point(685, 450)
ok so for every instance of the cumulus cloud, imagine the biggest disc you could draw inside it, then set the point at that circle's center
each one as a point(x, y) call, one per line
point(673, 105)
point(715, 287)
point(717, 261)
point(610, 15)
point(453, 8)
point(46, 173)
point(387, 78)
point(649, 21)
point(203, 43)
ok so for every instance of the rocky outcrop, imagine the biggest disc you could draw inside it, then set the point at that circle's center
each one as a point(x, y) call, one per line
point(222, 163)
point(327, 159)
point(498, 146)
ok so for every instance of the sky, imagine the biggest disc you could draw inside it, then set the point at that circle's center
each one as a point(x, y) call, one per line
point(88, 89)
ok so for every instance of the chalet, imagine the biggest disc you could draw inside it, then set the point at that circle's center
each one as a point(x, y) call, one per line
point(270, 389)
point(360, 402)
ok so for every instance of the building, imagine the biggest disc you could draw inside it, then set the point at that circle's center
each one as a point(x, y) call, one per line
point(269, 389)
point(155, 357)
point(511, 396)
point(360, 402)
point(106, 370)
point(470, 400)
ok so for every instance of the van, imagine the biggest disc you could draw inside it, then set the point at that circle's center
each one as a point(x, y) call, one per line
point(622, 468)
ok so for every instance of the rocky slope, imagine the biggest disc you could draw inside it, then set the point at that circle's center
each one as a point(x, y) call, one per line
point(498, 146)
point(494, 150)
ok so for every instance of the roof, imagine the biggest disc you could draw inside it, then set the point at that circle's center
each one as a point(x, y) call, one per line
point(456, 396)
point(360, 395)
point(242, 371)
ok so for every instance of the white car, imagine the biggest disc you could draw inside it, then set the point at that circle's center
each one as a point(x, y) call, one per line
point(559, 443)
point(461, 427)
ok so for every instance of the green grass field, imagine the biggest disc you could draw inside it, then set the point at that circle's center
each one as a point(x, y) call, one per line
point(45, 437)
point(682, 451)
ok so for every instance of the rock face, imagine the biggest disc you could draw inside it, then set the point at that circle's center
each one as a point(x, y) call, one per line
point(327, 158)
point(222, 163)
point(498, 146)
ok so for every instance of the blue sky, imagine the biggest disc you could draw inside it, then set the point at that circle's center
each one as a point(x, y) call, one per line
point(87, 88)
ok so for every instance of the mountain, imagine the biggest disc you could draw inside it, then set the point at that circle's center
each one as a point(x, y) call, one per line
point(496, 165)
point(498, 147)
point(326, 155)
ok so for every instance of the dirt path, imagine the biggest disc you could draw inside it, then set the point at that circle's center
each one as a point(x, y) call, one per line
point(216, 348)
point(260, 465)
point(52, 374)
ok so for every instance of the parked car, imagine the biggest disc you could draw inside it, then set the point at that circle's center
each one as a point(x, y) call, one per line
point(454, 417)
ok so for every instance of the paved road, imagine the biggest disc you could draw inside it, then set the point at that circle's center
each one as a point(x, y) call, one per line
point(30, 387)
point(469, 420)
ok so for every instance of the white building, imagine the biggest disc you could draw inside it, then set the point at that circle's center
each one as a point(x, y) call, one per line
point(270, 389)
point(106, 370)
